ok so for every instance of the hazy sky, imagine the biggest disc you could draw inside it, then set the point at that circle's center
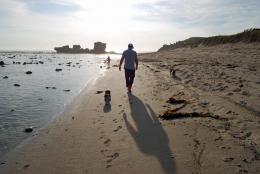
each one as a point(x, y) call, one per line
point(148, 24)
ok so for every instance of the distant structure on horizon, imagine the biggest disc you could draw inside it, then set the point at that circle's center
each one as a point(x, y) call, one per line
point(99, 48)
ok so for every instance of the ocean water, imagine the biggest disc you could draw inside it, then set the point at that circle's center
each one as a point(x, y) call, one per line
point(42, 95)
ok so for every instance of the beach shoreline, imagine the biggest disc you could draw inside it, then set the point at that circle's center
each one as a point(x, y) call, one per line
point(132, 135)
point(38, 131)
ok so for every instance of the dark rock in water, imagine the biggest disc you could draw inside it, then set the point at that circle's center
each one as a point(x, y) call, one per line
point(66, 90)
point(28, 129)
point(11, 57)
point(29, 72)
point(47, 87)
point(24, 63)
point(2, 63)
point(41, 62)
point(17, 85)
point(53, 88)
point(58, 69)
point(12, 110)
point(5, 77)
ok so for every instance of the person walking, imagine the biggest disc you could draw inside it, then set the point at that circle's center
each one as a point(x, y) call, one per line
point(108, 60)
point(129, 56)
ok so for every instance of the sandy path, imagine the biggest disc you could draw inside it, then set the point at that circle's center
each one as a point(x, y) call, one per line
point(130, 138)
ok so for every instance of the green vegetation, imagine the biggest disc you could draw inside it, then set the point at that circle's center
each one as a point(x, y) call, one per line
point(247, 36)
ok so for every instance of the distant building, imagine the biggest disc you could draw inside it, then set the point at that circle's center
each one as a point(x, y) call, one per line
point(99, 47)
point(76, 47)
point(63, 49)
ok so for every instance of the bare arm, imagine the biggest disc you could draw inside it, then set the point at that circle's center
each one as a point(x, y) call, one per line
point(121, 61)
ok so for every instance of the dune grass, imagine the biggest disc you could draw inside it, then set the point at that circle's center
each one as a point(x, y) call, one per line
point(247, 36)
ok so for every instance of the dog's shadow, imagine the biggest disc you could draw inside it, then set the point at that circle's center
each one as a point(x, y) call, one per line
point(107, 108)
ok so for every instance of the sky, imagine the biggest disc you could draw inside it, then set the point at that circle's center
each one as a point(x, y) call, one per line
point(148, 24)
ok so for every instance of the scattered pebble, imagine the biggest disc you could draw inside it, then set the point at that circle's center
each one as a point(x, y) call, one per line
point(28, 129)
point(17, 85)
point(58, 69)
point(28, 72)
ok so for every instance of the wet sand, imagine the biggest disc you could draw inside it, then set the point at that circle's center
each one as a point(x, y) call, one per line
point(132, 136)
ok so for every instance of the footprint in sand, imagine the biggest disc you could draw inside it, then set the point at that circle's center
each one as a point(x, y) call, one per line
point(121, 112)
point(115, 120)
point(118, 128)
point(108, 166)
point(228, 159)
point(242, 171)
point(107, 141)
point(112, 157)
point(26, 166)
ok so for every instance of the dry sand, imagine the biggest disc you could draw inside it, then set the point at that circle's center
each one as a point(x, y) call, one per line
point(130, 137)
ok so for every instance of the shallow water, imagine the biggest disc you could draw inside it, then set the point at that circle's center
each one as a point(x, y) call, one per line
point(32, 104)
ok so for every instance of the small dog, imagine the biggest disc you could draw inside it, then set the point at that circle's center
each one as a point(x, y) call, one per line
point(107, 97)
point(172, 71)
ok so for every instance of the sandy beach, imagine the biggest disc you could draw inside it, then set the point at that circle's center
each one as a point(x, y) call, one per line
point(212, 124)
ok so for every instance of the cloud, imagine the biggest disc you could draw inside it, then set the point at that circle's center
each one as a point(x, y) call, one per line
point(43, 24)
point(208, 14)
point(51, 7)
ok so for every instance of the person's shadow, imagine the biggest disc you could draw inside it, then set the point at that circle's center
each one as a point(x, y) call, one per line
point(107, 108)
point(149, 134)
